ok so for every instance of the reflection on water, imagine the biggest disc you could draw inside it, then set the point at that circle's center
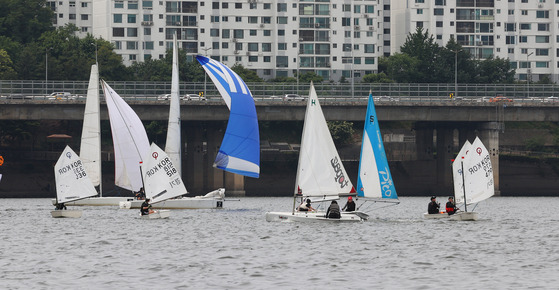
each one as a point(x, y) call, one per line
point(513, 245)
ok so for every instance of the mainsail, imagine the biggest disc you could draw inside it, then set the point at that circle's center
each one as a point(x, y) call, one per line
point(72, 181)
point(240, 149)
point(130, 140)
point(320, 171)
point(173, 143)
point(162, 179)
point(478, 175)
point(90, 148)
point(375, 180)
point(457, 170)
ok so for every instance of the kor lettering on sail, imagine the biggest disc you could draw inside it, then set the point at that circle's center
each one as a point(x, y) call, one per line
point(484, 164)
point(340, 178)
point(165, 164)
point(74, 167)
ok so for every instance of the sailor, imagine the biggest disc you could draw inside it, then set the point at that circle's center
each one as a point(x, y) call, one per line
point(141, 194)
point(306, 206)
point(145, 209)
point(60, 206)
point(333, 211)
point(350, 205)
point(450, 206)
point(433, 206)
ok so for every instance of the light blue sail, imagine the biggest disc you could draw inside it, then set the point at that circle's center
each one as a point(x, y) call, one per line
point(240, 149)
point(375, 180)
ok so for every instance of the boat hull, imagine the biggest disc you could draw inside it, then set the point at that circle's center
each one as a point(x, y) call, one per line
point(464, 216)
point(158, 214)
point(311, 217)
point(441, 215)
point(97, 201)
point(66, 213)
point(180, 203)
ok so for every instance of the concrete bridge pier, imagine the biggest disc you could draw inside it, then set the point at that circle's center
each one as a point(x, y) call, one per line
point(193, 173)
point(489, 135)
point(445, 154)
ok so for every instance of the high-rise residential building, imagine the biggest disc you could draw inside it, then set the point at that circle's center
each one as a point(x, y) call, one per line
point(524, 31)
point(275, 38)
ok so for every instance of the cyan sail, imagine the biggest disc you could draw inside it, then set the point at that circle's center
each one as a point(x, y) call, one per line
point(240, 149)
point(374, 179)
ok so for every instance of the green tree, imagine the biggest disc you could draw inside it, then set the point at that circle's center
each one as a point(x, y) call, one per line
point(307, 77)
point(494, 71)
point(24, 20)
point(7, 71)
point(403, 68)
point(376, 78)
point(423, 47)
point(342, 132)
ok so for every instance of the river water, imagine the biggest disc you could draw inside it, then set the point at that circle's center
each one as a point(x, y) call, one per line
point(514, 245)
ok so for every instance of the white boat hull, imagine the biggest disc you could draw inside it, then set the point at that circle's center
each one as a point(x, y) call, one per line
point(312, 217)
point(97, 201)
point(464, 216)
point(66, 213)
point(180, 203)
point(158, 214)
point(441, 215)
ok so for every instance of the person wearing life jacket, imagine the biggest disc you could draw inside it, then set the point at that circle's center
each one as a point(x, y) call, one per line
point(306, 206)
point(350, 205)
point(333, 211)
point(145, 208)
point(433, 206)
point(450, 206)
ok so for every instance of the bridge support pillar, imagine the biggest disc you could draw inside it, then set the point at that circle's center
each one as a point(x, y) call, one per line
point(445, 154)
point(489, 135)
point(193, 172)
point(424, 141)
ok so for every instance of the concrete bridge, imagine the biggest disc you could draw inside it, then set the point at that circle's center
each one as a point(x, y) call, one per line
point(203, 121)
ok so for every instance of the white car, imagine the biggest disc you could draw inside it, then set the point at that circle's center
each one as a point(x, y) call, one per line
point(293, 97)
point(551, 99)
point(193, 97)
point(61, 96)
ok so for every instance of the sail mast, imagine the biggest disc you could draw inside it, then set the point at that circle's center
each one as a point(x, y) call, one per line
point(464, 184)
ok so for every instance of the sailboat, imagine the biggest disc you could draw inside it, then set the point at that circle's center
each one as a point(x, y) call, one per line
point(90, 148)
point(239, 152)
point(72, 183)
point(321, 175)
point(374, 182)
point(456, 177)
point(162, 180)
point(477, 179)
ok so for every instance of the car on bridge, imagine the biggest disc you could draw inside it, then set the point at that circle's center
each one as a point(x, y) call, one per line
point(61, 96)
point(293, 97)
point(500, 99)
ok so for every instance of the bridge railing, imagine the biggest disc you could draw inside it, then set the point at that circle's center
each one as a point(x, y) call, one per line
point(264, 90)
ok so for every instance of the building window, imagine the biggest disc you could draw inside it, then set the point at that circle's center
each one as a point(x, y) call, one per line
point(282, 46)
point(148, 45)
point(117, 18)
point(542, 39)
point(238, 19)
point(238, 5)
point(147, 4)
point(439, 24)
point(253, 58)
point(238, 33)
point(119, 4)
point(132, 5)
point(266, 47)
point(131, 18)
point(225, 45)
point(72, 16)
point(252, 32)
point(438, 11)
point(267, 32)
point(84, 17)
point(252, 46)
point(147, 31)
point(132, 57)
point(118, 32)
point(282, 7)
point(281, 32)
point(252, 19)
point(132, 45)
point(131, 32)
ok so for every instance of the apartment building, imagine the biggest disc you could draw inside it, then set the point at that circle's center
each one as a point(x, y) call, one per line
point(524, 31)
point(334, 39)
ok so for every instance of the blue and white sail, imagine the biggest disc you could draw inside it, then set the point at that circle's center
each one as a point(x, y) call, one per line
point(240, 149)
point(374, 180)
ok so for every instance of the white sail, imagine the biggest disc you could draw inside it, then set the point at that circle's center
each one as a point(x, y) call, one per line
point(173, 143)
point(90, 148)
point(457, 171)
point(72, 181)
point(320, 171)
point(478, 171)
point(478, 174)
point(130, 140)
point(162, 179)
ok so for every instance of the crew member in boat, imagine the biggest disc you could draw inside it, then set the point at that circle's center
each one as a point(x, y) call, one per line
point(350, 204)
point(306, 206)
point(141, 194)
point(333, 211)
point(145, 209)
point(433, 206)
point(450, 206)
point(60, 206)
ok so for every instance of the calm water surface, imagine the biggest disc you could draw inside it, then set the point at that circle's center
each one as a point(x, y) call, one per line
point(514, 245)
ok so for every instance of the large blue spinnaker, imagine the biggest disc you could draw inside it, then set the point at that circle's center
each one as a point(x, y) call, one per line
point(240, 149)
point(374, 179)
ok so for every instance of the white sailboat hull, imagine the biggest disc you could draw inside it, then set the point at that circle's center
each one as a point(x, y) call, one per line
point(180, 203)
point(66, 213)
point(158, 214)
point(441, 215)
point(464, 216)
point(98, 201)
point(312, 217)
